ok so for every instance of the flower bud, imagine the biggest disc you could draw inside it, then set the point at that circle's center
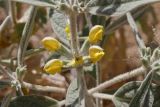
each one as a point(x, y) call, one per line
point(51, 44)
point(95, 53)
point(95, 34)
point(77, 61)
point(68, 31)
point(53, 66)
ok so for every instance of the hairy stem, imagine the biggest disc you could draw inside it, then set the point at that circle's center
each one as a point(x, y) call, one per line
point(28, 28)
point(76, 55)
point(12, 11)
point(74, 37)
point(115, 80)
point(25, 36)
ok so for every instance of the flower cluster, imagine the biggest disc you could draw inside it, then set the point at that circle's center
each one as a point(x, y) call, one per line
point(95, 52)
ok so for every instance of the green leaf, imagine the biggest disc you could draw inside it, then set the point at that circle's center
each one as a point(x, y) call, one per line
point(4, 84)
point(33, 101)
point(156, 96)
point(134, 94)
point(6, 100)
point(116, 7)
point(138, 37)
point(74, 94)
point(156, 77)
point(125, 93)
point(142, 92)
point(43, 3)
point(59, 22)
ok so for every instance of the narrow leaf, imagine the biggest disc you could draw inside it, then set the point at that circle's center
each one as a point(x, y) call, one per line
point(135, 30)
point(33, 101)
point(59, 22)
point(43, 3)
point(141, 94)
point(116, 7)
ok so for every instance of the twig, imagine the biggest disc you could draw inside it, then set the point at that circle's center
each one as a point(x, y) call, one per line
point(117, 79)
point(6, 73)
point(138, 37)
point(44, 88)
point(98, 81)
point(25, 36)
point(5, 23)
point(6, 100)
point(74, 35)
point(28, 28)
point(102, 96)
point(12, 11)
point(95, 95)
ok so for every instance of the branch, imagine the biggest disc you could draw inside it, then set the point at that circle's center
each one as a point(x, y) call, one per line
point(25, 36)
point(44, 88)
point(117, 79)
point(102, 96)
point(5, 23)
point(12, 11)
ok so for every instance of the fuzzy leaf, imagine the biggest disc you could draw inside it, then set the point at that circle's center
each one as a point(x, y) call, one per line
point(124, 94)
point(33, 101)
point(142, 92)
point(116, 7)
point(43, 3)
point(73, 94)
point(59, 22)
point(4, 84)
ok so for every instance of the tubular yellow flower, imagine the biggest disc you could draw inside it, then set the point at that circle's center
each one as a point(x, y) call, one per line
point(95, 34)
point(51, 44)
point(95, 53)
point(68, 31)
point(77, 61)
point(53, 66)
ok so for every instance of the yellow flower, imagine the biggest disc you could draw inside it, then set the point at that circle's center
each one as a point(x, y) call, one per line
point(51, 44)
point(95, 53)
point(95, 34)
point(76, 62)
point(68, 31)
point(53, 66)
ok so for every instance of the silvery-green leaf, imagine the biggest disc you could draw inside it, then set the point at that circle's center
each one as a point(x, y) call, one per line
point(142, 92)
point(73, 94)
point(33, 101)
point(59, 22)
point(156, 93)
point(43, 3)
point(6, 100)
point(124, 94)
point(4, 83)
point(117, 7)
point(78, 97)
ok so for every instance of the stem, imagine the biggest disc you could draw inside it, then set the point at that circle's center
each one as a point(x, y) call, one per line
point(12, 11)
point(74, 37)
point(75, 48)
point(28, 28)
point(117, 79)
point(76, 54)
point(98, 80)
point(25, 36)
point(5, 23)
point(44, 88)
point(102, 96)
